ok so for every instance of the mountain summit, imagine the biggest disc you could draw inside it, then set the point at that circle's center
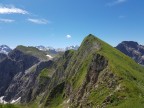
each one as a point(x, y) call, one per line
point(133, 50)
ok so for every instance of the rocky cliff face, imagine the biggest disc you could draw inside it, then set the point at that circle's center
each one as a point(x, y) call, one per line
point(133, 50)
point(26, 85)
point(80, 96)
point(13, 67)
point(2, 56)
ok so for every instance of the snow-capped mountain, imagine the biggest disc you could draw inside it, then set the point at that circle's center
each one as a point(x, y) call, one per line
point(43, 48)
point(72, 47)
point(60, 49)
point(5, 49)
point(51, 49)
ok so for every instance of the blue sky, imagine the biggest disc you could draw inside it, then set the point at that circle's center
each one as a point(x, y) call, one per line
point(61, 23)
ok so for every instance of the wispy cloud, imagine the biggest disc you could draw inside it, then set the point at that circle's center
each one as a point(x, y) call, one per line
point(115, 2)
point(11, 10)
point(38, 21)
point(68, 36)
point(6, 20)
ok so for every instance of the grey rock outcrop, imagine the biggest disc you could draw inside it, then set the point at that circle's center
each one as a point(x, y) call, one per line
point(14, 65)
point(133, 50)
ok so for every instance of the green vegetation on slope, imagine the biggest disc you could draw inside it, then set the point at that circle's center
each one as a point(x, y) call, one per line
point(56, 96)
point(32, 51)
point(45, 76)
point(7, 106)
point(46, 73)
point(119, 85)
point(130, 73)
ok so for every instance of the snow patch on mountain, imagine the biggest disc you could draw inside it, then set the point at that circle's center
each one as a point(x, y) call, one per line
point(49, 56)
point(5, 49)
point(16, 101)
point(2, 101)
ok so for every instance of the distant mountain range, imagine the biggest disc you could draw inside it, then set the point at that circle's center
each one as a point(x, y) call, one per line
point(130, 48)
point(6, 49)
point(133, 50)
point(43, 48)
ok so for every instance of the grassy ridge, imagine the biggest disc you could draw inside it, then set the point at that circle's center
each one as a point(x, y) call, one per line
point(130, 73)
point(32, 51)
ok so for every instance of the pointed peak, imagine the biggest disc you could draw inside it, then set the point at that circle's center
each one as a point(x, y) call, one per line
point(91, 42)
point(90, 36)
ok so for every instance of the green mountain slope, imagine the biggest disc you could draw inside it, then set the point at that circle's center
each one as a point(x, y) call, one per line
point(32, 51)
point(95, 76)
point(125, 85)
point(98, 75)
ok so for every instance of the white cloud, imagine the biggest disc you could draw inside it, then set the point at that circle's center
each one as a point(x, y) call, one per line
point(68, 36)
point(38, 21)
point(11, 10)
point(115, 2)
point(6, 20)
